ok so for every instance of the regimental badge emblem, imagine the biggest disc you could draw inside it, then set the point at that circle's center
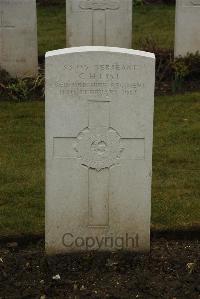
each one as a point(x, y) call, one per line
point(98, 148)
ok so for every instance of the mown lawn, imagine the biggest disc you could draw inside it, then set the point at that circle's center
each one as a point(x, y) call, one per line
point(154, 23)
point(21, 167)
point(176, 164)
point(176, 161)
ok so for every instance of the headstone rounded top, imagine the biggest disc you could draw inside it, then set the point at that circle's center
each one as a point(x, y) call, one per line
point(99, 49)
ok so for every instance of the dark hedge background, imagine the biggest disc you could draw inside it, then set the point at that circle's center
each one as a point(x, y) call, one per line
point(57, 2)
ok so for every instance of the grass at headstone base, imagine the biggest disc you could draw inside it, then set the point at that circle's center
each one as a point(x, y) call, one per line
point(21, 167)
point(151, 23)
point(176, 165)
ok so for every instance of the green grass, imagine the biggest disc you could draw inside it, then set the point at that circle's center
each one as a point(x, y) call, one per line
point(176, 161)
point(51, 28)
point(21, 167)
point(176, 164)
point(152, 22)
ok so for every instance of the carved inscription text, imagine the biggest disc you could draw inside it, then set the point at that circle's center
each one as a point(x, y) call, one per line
point(99, 4)
point(99, 80)
point(3, 23)
point(191, 3)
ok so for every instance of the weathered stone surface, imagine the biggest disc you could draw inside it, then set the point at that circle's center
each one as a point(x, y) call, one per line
point(99, 23)
point(99, 130)
point(18, 37)
point(187, 33)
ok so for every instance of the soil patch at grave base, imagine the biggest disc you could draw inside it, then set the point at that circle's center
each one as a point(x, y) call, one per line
point(171, 270)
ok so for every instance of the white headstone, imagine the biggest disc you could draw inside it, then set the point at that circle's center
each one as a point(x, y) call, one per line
point(99, 23)
point(187, 32)
point(99, 130)
point(18, 37)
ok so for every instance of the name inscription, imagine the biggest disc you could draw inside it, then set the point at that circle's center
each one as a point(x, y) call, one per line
point(99, 80)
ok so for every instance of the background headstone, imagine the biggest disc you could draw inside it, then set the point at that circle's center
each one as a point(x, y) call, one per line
point(187, 32)
point(18, 37)
point(99, 23)
point(99, 130)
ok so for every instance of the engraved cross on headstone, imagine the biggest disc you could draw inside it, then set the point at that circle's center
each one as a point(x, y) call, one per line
point(99, 147)
point(99, 10)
